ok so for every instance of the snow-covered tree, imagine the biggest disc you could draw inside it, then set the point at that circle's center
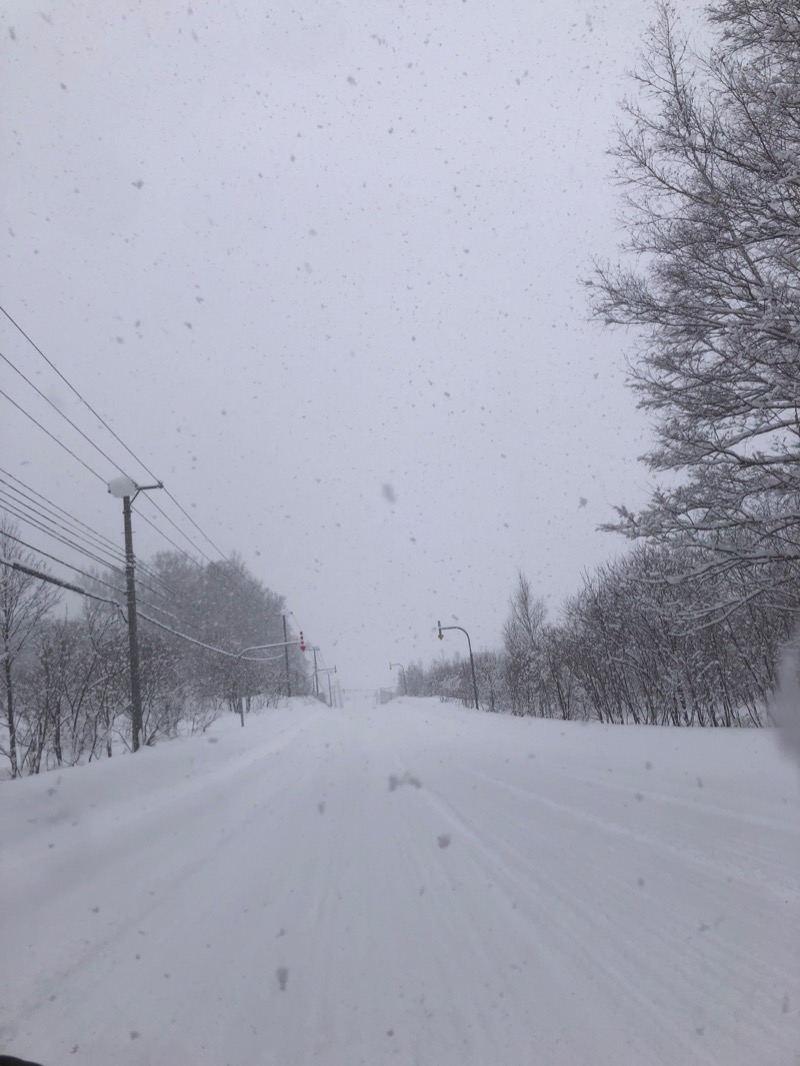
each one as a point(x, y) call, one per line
point(522, 635)
point(709, 158)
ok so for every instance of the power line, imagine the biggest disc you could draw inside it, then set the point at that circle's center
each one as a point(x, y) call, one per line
point(97, 415)
point(208, 647)
point(22, 568)
point(58, 411)
point(30, 513)
point(99, 538)
point(185, 535)
point(103, 422)
point(49, 505)
point(44, 518)
point(45, 515)
point(116, 562)
point(116, 566)
point(196, 526)
point(14, 565)
point(69, 566)
point(164, 591)
point(72, 388)
point(57, 536)
point(60, 443)
point(36, 514)
point(161, 533)
point(83, 573)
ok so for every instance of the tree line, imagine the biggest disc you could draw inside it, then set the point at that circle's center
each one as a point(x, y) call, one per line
point(632, 646)
point(687, 627)
point(64, 694)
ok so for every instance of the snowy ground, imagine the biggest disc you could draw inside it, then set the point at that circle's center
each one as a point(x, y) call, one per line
point(413, 883)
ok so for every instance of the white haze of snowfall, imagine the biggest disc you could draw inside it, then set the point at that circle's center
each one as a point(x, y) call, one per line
point(412, 883)
point(296, 254)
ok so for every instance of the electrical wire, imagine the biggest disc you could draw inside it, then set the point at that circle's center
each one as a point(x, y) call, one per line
point(85, 573)
point(72, 388)
point(60, 443)
point(14, 565)
point(186, 536)
point(103, 422)
point(219, 551)
point(116, 564)
point(208, 647)
point(58, 411)
point(169, 540)
point(54, 558)
point(23, 511)
point(40, 514)
point(22, 568)
point(49, 505)
point(100, 451)
point(100, 540)
point(56, 536)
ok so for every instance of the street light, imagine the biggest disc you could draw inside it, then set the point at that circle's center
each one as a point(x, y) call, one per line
point(471, 660)
point(401, 667)
point(125, 489)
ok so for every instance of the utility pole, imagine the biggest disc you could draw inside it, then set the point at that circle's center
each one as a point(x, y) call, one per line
point(286, 658)
point(123, 487)
point(327, 670)
point(133, 635)
point(330, 690)
point(315, 649)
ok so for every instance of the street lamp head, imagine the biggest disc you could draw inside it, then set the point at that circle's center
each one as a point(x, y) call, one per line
point(122, 486)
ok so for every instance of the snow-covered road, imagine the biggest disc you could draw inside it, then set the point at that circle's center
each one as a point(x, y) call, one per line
point(413, 883)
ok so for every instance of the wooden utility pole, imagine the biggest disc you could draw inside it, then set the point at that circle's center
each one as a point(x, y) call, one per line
point(133, 638)
point(126, 489)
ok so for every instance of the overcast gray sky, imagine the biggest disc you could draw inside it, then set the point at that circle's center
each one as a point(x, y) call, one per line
point(320, 267)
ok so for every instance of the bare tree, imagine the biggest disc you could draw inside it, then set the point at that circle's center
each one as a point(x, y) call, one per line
point(24, 604)
point(522, 635)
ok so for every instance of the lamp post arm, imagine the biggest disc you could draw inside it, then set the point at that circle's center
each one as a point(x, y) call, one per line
point(471, 659)
point(401, 667)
